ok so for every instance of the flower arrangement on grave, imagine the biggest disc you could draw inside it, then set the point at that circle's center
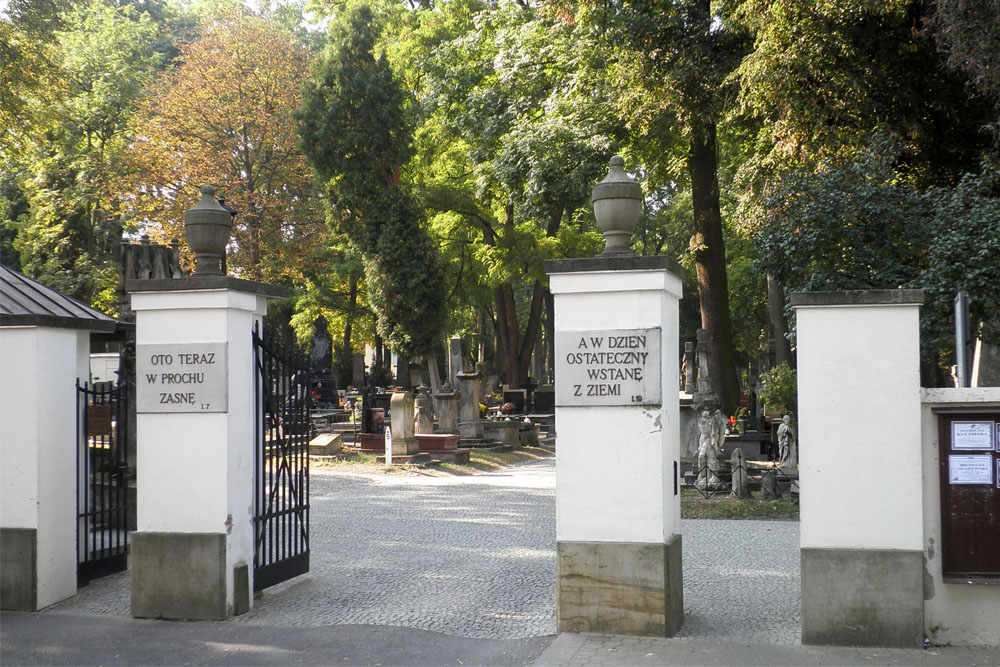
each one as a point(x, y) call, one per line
point(314, 398)
point(507, 408)
point(482, 409)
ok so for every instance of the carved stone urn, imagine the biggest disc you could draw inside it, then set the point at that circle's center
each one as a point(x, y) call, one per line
point(208, 227)
point(617, 206)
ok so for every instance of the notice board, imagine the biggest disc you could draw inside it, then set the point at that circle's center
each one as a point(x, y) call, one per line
point(969, 451)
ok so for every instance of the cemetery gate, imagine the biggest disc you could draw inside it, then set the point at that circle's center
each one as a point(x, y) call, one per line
point(281, 458)
point(102, 412)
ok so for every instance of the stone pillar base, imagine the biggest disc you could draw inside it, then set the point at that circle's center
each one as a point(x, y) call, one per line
point(179, 576)
point(862, 597)
point(622, 588)
point(405, 447)
point(19, 569)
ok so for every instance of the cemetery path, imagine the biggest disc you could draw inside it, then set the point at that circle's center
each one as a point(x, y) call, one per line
point(475, 557)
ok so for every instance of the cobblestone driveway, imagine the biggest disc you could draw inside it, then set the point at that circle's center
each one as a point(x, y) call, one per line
point(475, 557)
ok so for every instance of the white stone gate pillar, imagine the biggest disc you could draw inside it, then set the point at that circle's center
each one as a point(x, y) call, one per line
point(617, 494)
point(860, 467)
point(192, 555)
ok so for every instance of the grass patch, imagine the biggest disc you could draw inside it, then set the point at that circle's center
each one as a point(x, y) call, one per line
point(479, 462)
point(694, 506)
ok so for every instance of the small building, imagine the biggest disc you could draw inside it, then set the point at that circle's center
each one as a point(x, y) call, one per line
point(44, 348)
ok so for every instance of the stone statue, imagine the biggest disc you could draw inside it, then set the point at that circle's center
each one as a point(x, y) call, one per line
point(719, 422)
point(787, 454)
point(709, 440)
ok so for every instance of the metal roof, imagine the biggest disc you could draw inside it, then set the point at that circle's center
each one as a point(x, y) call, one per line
point(26, 302)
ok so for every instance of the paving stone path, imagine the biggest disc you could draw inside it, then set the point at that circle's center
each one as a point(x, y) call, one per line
point(475, 557)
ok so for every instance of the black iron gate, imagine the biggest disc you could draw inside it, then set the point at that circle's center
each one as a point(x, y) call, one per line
point(102, 480)
point(281, 459)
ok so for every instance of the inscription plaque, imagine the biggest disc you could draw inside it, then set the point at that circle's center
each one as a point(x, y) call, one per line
point(182, 377)
point(614, 367)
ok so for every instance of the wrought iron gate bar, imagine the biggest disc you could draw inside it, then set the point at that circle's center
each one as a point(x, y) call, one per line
point(281, 460)
point(102, 481)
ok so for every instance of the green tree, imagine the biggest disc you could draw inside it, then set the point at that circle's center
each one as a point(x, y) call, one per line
point(850, 223)
point(356, 135)
point(69, 144)
point(525, 135)
point(671, 60)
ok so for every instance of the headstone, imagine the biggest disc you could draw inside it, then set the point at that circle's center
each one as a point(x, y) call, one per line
point(518, 398)
point(326, 444)
point(769, 484)
point(367, 416)
point(321, 354)
point(704, 397)
point(455, 365)
point(403, 442)
point(446, 407)
point(423, 419)
point(470, 426)
point(403, 373)
point(739, 485)
point(358, 369)
point(690, 368)
point(545, 400)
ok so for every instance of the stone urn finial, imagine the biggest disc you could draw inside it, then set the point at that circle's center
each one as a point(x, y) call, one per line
point(208, 227)
point(617, 206)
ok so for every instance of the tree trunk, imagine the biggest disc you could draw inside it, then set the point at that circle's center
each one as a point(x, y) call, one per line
point(507, 321)
point(352, 302)
point(710, 258)
point(779, 328)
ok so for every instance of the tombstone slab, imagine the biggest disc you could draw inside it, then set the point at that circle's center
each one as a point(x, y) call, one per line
point(423, 418)
point(470, 425)
point(404, 442)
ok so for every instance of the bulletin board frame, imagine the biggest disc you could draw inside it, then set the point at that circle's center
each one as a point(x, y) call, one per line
point(970, 503)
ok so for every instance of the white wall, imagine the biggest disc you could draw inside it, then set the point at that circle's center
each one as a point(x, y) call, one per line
point(196, 470)
point(38, 440)
point(18, 427)
point(859, 416)
point(963, 614)
point(614, 472)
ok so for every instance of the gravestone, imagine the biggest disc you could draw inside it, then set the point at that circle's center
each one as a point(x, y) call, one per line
point(518, 398)
point(545, 400)
point(769, 484)
point(690, 368)
point(403, 442)
point(446, 407)
point(455, 365)
point(470, 425)
point(423, 419)
point(739, 485)
point(358, 369)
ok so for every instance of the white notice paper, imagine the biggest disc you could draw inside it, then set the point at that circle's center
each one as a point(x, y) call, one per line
point(972, 435)
point(968, 469)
